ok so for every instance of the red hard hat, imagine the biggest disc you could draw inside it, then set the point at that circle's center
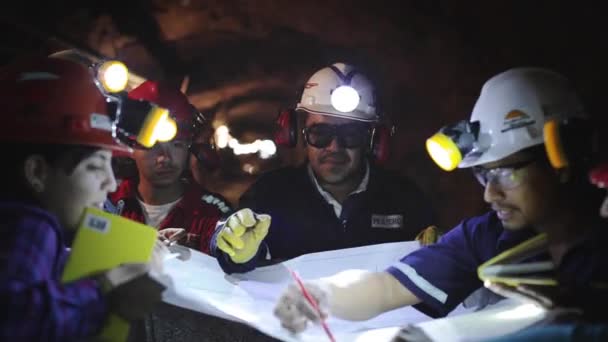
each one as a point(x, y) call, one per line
point(599, 176)
point(49, 100)
point(180, 109)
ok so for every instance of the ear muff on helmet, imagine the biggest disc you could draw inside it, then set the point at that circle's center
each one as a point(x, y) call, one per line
point(380, 143)
point(568, 142)
point(287, 130)
point(554, 145)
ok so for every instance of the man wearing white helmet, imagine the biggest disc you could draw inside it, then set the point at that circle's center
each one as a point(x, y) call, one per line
point(532, 189)
point(339, 198)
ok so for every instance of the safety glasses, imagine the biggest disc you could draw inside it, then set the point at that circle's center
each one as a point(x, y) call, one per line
point(507, 177)
point(353, 135)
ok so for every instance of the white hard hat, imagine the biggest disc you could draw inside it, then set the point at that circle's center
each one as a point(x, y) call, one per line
point(513, 107)
point(339, 90)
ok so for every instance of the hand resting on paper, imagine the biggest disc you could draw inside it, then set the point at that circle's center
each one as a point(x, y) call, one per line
point(131, 290)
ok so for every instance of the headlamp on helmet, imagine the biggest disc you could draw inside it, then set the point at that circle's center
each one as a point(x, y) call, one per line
point(136, 122)
point(452, 144)
point(345, 98)
point(113, 76)
point(142, 123)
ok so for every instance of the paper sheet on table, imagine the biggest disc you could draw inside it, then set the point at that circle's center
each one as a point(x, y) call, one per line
point(201, 285)
point(503, 318)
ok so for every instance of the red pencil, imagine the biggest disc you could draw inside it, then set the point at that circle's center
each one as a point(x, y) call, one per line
point(314, 304)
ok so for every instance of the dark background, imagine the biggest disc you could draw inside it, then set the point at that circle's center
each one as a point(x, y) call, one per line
point(246, 59)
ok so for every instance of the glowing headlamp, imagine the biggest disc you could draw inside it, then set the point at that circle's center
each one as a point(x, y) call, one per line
point(345, 99)
point(451, 144)
point(157, 126)
point(113, 76)
point(142, 123)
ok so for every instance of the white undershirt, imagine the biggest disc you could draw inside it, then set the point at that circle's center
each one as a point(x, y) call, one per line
point(329, 198)
point(155, 214)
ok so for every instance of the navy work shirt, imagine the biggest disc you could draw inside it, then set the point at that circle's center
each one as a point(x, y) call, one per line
point(442, 275)
point(390, 209)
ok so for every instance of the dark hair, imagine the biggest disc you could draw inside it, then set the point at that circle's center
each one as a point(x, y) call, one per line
point(66, 157)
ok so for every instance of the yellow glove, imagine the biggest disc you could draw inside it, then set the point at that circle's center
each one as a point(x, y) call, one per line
point(242, 235)
point(428, 236)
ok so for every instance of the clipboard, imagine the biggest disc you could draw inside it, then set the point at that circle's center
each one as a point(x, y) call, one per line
point(104, 241)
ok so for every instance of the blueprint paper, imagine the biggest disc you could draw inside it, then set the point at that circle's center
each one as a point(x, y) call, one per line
point(201, 285)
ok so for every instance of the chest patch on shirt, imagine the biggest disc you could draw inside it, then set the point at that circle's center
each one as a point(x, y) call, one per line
point(387, 221)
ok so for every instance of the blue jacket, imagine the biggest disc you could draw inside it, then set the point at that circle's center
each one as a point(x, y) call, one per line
point(35, 305)
point(443, 274)
point(391, 209)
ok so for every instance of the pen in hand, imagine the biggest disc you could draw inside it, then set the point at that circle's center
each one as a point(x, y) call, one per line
point(314, 305)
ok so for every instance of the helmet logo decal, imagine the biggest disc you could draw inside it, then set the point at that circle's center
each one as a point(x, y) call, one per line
point(30, 76)
point(516, 119)
point(101, 121)
point(310, 85)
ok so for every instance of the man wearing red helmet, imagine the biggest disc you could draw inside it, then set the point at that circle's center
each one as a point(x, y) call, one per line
point(160, 196)
point(58, 134)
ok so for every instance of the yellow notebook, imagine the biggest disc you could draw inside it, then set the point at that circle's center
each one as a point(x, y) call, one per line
point(104, 241)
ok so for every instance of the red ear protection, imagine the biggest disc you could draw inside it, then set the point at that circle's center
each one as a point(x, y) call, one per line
point(287, 135)
point(380, 144)
point(287, 130)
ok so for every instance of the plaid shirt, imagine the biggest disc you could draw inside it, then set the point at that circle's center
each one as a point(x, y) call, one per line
point(197, 212)
point(34, 304)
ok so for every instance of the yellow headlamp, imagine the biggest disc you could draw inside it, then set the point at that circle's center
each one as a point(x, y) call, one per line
point(142, 123)
point(451, 144)
point(113, 76)
point(443, 151)
point(157, 126)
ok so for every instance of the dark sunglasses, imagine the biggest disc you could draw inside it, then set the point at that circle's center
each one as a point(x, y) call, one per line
point(353, 135)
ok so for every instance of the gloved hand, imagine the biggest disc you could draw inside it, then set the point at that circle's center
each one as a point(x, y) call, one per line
point(428, 236)
point(242, 235)
point(294, 311)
